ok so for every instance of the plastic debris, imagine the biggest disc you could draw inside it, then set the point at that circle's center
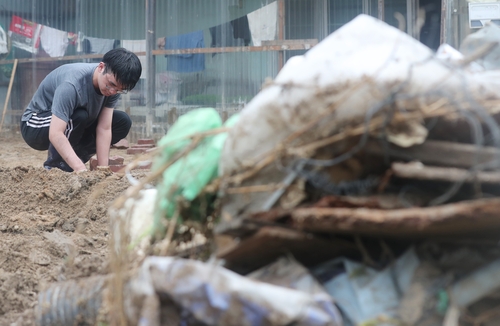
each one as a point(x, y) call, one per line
point(365, 294)
point(186, 177)
point(217, 296)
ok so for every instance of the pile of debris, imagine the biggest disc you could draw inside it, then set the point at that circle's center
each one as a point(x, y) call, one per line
point(360, 187)
point(375, 149)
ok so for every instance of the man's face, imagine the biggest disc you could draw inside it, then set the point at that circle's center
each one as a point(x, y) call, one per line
point(108, 85)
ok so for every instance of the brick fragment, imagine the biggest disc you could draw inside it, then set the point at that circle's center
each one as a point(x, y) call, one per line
point(117, 168)
point(142, 146)
point(116, 160)
point(113, 160)
point(145, 142)
point(134, 151)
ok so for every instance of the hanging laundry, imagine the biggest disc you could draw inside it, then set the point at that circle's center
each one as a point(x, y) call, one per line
point(25, 34)
point(3, 42)
point(73, 38)
point(185, 62)
point(98, 45)
point(54, 42)
point(223, 36)
point(234, 33)
point(137, 46)
point(263, 23)
point(241, 29)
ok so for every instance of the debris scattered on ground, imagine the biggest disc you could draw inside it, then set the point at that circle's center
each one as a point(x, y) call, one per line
point(360, 187)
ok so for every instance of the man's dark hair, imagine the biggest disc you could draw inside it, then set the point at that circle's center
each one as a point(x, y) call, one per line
point(124, 65)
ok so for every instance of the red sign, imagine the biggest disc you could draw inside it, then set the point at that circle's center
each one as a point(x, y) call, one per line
point(25, 34)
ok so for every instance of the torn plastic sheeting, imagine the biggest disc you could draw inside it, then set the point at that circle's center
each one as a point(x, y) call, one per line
point(217, 296)
point(363, 293)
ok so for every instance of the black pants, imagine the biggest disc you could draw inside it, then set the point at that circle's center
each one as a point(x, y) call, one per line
point(81, 136)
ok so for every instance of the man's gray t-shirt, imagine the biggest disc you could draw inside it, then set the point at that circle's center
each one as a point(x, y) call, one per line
point(67, 88)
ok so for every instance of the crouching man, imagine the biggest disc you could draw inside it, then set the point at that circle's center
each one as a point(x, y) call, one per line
point(72, 112)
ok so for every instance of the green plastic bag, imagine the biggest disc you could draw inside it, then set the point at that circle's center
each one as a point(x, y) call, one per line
point(187, 177)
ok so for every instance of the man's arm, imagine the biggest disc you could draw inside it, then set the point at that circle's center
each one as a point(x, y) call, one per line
point(103, 136)
point(62, 145)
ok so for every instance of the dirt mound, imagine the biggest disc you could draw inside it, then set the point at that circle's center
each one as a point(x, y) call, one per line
point(54, 227)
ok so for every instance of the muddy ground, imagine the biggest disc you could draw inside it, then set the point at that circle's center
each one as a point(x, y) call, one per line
point(53, 225)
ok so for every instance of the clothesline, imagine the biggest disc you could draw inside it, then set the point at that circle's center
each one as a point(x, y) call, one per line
point(293, 45)
point(256, 27)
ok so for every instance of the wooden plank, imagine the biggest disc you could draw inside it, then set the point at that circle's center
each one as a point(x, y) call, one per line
point(312, 42)
point(233, 49)
point(266, 48)
point(466, 217)
point(416, 170)
point(440, 153)
point(50, 59)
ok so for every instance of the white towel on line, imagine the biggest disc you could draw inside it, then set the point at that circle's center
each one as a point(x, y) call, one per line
point(54, 42)
point(263, 23)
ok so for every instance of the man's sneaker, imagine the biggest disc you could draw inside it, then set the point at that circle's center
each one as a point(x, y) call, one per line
point(54, 160)
point(60, 165)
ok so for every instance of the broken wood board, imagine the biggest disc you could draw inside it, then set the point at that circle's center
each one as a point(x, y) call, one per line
point(271, 242)
point(419, 171)
point(465, 217)
point(380, 201)
point(238, 227)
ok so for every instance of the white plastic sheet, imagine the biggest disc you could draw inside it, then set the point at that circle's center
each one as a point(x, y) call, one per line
point(217, 296)
point(352, 70)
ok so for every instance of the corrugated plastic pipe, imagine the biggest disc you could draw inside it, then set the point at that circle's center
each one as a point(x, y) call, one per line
point(71, 302)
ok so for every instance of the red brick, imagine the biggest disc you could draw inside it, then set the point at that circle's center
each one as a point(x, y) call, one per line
point(117, 168)
point(134, 151)
point(116, 160)
point(113, 160)
point(146, 142)
point(143, 146)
